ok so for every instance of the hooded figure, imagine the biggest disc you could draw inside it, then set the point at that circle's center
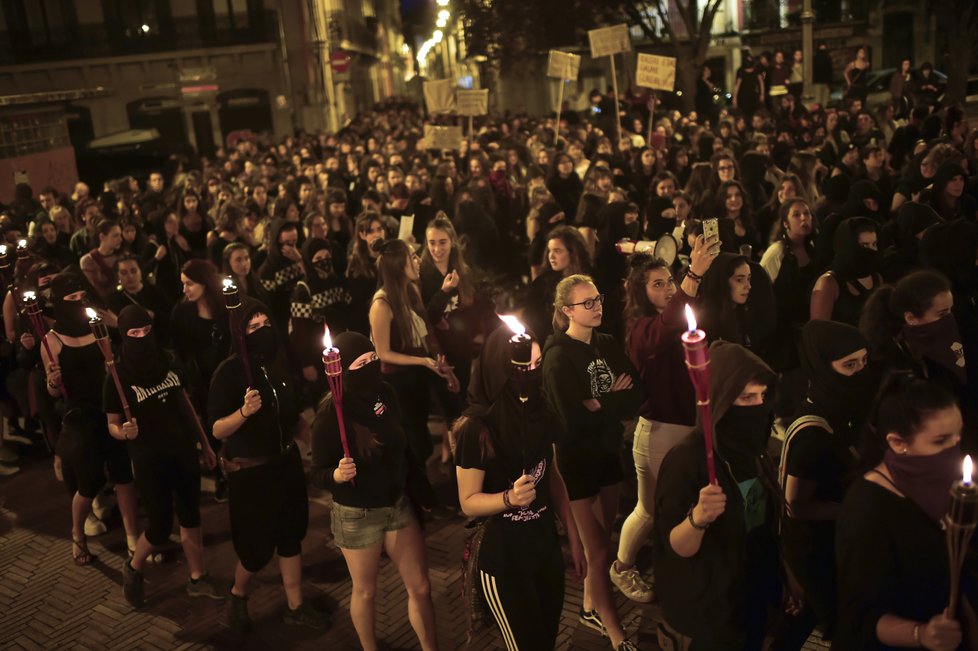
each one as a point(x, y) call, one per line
point(964, 207)
point(657, 225)
point(323, 288)
point(835, 189)
point(140, 358)
point(851, 260)
point(843, 400)
point(69, 316)
point(715, 595)
point(904, 255)
point(855, 206)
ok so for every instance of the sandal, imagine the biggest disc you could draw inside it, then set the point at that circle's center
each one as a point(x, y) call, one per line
point(83, 557)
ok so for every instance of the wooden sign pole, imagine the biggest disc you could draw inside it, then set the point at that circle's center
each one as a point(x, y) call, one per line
point(560, 105)
point(617, 118)
point(648, 141)
point(471, 133)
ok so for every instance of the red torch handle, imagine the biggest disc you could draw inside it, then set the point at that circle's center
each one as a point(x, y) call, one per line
point(336, 387)
point(39, 331)
point(698, 365)
point(103, 345)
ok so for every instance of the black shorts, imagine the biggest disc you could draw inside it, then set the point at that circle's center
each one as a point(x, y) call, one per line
point(89, 454)
point(586, 475)
point(168, 484)
point(269, 510)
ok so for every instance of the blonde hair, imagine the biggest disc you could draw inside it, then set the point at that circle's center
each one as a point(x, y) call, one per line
point(562, 298)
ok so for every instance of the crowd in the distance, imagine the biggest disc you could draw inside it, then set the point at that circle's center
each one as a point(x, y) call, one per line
point(830, 255)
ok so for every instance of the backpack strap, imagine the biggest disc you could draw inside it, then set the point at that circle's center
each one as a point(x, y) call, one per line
point(789, 435)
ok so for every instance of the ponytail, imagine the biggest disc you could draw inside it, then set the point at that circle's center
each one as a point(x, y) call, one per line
point(562, 299)
point(882, 316)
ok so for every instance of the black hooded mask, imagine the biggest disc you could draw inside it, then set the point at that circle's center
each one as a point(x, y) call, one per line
point(69, 316)
point(657, 225)
point(140, 358)
point(361, 387)
point(262, 344)
point(851, 260)
point(318, 273)
point(842, 398)
point(855, 205)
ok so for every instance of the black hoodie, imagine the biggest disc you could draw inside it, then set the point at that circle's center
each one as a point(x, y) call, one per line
point(573, 372)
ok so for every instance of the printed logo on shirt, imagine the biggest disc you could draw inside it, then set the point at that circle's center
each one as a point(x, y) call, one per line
point(379, 409)
point(172, 380)
point(601, 377)
point(958, 351)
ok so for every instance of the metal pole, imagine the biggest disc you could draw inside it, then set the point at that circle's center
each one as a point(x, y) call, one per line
point(617, 118)
point(807, 49)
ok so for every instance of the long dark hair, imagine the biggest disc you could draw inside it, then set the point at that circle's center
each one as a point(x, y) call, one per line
point(882, 316)
point(203, 272)
point(576, 248)
point(361, 263)
point(637, 304)
point(720, 202)
point(403, 294)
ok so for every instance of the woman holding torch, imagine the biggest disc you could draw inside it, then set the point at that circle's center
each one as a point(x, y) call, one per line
point(367, 476)
point(507, 473)
point(892, 555)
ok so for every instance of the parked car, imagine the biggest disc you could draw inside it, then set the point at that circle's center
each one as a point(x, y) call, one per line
point(878, 87)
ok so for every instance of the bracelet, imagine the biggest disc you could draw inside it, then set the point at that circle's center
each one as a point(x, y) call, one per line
point(692, 275)
point(698, 527)
point(916, 636)
point(241, 411)
point(509, 505)
point(53, 386)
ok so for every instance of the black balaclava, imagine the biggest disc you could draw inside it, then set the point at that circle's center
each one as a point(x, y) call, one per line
point(851, 260)
point(69, 316)
point(140, 358)
point(361, 387)
point(317, 273)
point(912, 219)
point(855, 205)
point(262, 344)
point(845, 397)
point(657, 225)
point(612, 220)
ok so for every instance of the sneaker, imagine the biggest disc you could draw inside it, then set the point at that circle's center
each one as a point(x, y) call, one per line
point(627, 645)
point(205, 586)
point(6, 470)
point(103, 506)
point(7, 455)
point(221, 490)
point(132, 585)
point(17, 437)
point(94, 526)
point(592, 620)
point(631, 584)
point(238, 618)
point(307, 615)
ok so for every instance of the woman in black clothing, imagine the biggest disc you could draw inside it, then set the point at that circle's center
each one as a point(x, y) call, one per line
point(85, 450)
point(162, 440)
point(892, 553)
point(282, 268)
point(947, 197)
point(732, 203)
point(564, 183)
point(46, 244)
point(738, 303)
point(506, 471)
point(172, 252)
point(819, 456)
point(269, 507)
point(587, 378)
point(236, 264)
point(840, 293)
point(231, 228)
point(549, 216)
point(361, 269)
point(904, 255)
point(566, 255)
point(371, 512)
point(193, 224)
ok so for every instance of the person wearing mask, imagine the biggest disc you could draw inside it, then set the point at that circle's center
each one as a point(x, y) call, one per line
point(715, 554)
point(507, 473)
point(162, 438)
point(588, 381)
point(257, 424)
point(819, 456)
point(840, 293)
point(891, 546)
point(371, 511)
point(282, 268)
point(85, 454)
point(654, 319)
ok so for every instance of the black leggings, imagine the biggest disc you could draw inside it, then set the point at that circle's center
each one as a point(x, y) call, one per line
point(411, 384)
point(162, 480)
point(527, 607)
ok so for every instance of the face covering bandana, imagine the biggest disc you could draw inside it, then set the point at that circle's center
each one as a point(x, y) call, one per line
point(939, 342)
point(324, 267)
point(926, 480)
point(742, 436)
point(364, 382)
point(262, 344)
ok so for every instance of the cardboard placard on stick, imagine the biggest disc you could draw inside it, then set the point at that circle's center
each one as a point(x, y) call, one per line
point(607, 41)
point(472, 102)
point(439, 96)
point(655, 72)
point(563, 65)
point(442, 137)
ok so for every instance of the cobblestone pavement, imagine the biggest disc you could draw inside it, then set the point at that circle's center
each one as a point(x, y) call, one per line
point(46, 602)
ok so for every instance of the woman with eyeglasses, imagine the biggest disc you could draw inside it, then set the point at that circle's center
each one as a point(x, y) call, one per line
point(371, 512)
point(588, 380)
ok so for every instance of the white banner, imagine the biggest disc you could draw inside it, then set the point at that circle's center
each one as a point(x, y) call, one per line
point(563, 65)
point(655, 72)
point(607, 41)
point(439, 96)
point(472, 102)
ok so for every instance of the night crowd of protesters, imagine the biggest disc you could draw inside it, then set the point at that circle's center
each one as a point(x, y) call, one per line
point(830, 254)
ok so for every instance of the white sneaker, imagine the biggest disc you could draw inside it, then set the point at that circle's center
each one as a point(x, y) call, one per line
point(94, 526)
point(7, 455)
point(631, 584)
point(104, 505)
point(6, 471)
point(17, 438)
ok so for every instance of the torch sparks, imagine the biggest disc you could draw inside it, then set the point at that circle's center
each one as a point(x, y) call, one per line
point(690, 318)
point(513, 324)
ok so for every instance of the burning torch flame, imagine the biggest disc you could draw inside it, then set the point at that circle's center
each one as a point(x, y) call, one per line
point(967, 470)
point(92, 314)
point(690, 318)
point(228, 283)
point(22, 244)
point(513, 324)
point(3, 249)
point(327, 340)
point(29, 296)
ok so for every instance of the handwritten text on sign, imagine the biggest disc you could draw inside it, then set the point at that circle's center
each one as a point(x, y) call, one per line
point(609, 40)
point(442, 137)
point(563, 65)
point(655, 72)
point(472, 102)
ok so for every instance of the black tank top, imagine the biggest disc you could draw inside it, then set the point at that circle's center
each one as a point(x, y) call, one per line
point(849, 306)
point(83, 372)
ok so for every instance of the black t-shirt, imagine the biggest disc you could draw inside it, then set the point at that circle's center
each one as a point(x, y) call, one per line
point(269, 431)
point(517, 540)
point(163, 430)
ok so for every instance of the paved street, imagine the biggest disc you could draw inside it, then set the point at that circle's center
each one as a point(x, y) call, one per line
point(46, 602)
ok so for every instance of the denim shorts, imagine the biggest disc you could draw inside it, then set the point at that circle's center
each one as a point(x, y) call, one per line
point(358, 528)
